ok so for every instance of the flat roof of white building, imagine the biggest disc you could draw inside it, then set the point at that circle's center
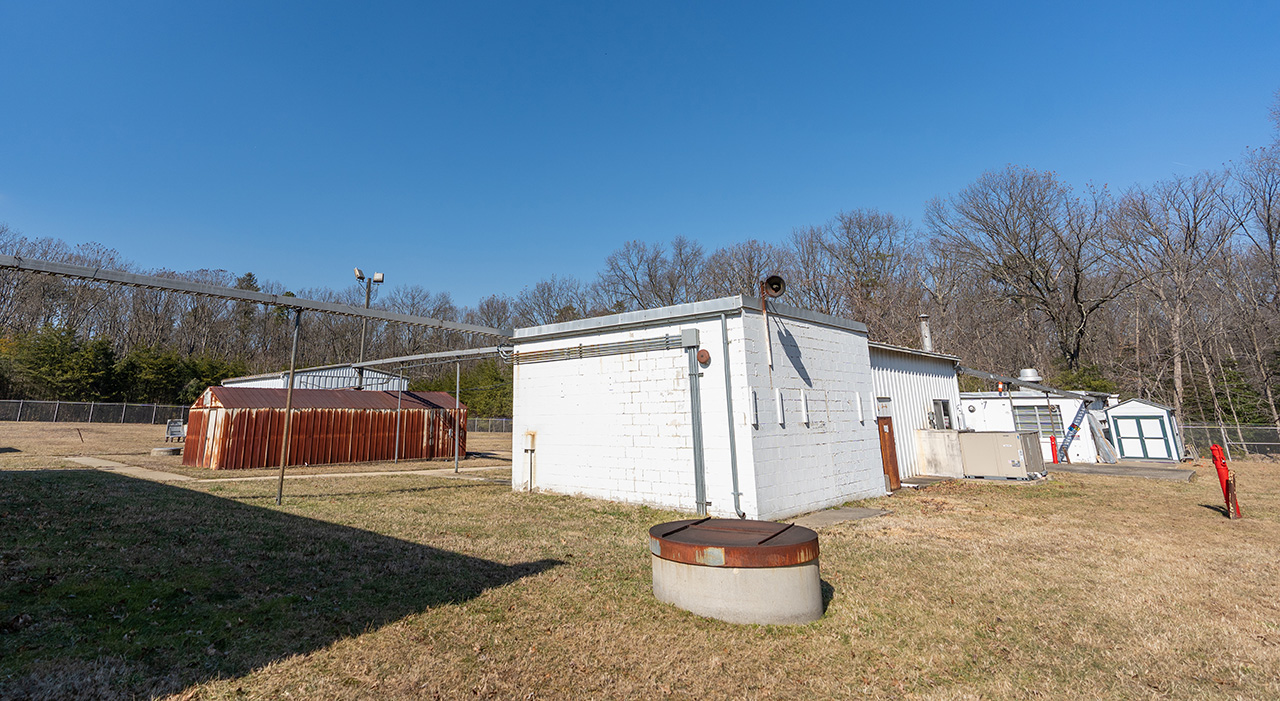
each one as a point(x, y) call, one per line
point(693, 310)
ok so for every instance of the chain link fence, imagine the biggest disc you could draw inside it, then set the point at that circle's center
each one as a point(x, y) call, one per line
point(90, 412)
point(1240, 441)
point(491, 425)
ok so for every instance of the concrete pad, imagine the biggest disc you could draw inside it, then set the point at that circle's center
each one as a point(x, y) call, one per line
point(129, 470)
point(1005, 480)
point(830, 517)
point(1122, 470)
point(167, 450)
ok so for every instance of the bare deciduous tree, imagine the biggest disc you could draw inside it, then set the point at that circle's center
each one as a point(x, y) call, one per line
point(1047, 251)
point(1172, 232)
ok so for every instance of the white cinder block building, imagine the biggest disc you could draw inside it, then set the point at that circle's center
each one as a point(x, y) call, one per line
point(608, 408)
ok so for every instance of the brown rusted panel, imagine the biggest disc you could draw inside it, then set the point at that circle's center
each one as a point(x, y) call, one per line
point(240, 435)
point(261, 434)
point(362, 437)
point(733, 543)
point(462, 428)
point(193, 444)
point(319, 437)
point(411, 429)
point(337, 432)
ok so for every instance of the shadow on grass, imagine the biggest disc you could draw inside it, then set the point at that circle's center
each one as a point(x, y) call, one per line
point(7, 449)
point(117, 587)
point(270, 499)
point(1219, 509)
point(828, 593)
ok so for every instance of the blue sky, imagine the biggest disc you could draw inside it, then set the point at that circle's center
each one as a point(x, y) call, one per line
point(479, 147)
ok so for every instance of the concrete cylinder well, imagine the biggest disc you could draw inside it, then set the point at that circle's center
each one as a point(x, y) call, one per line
point(738, 571)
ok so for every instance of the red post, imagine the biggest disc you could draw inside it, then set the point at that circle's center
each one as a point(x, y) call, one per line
point(1228, 480)
point(1053, 447)
point(1220, 462)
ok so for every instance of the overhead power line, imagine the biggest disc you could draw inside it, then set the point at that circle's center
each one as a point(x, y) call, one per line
point(152, 282)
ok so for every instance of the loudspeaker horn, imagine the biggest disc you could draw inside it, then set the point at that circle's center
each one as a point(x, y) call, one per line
point(773, 286)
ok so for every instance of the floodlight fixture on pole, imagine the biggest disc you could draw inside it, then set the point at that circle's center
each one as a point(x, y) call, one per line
point(364, 323)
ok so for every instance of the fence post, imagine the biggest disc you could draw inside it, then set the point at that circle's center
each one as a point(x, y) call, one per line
point(123, 409)
point(153, 413)
point(19, 411)
point(56, 405)
point(90, 412)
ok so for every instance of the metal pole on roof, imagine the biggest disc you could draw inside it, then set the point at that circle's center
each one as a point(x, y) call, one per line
point(457, 409)
point(288, 405)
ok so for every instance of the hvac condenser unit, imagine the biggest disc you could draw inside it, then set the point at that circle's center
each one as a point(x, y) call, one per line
point(1000, 455)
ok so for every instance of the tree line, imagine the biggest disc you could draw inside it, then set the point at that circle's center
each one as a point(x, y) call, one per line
point(1168, 291)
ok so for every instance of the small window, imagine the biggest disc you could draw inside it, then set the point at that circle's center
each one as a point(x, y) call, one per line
point(1041, 419)
point(941, 417)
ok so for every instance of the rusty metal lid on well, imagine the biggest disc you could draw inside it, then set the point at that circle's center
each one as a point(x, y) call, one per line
point(722, 542)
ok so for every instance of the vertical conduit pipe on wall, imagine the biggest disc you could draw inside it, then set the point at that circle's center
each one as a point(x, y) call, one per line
point(728, 404)
point(695, 409)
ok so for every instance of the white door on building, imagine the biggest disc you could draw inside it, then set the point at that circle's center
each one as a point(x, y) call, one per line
point(1142, 437)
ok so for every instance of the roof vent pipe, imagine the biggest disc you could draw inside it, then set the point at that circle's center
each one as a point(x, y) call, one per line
point(1029, 375)
point(926, 339)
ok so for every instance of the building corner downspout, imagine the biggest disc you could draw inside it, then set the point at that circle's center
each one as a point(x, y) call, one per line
point(728, 403)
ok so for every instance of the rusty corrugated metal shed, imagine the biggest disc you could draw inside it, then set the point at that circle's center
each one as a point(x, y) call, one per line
point(243, 427)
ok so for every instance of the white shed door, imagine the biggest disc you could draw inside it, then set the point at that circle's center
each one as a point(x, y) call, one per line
point(1142, 437)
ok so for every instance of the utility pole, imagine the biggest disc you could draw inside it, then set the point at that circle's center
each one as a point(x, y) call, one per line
point(364, 322)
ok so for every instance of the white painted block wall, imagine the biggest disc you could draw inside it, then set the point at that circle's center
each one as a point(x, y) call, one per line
point(835, 457)
point(619, 427)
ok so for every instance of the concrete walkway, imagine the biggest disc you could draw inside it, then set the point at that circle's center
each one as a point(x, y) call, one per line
point(922, 481)
point(161, 476)
point(830, 517)
point(1122, 470)
point(130, 470)
point(441, 472)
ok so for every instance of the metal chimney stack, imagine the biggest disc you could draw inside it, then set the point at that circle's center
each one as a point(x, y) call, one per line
point(926, 339)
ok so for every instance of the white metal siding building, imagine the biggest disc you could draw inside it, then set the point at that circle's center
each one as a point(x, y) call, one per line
point(326, 377)
point(923, 393)
point(1033, 411)
point(603, 408)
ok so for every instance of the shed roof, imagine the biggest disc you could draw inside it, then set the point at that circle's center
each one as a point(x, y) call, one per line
point(302, 371)
point(1136, 400)
point(879, 346)
point(264, 398)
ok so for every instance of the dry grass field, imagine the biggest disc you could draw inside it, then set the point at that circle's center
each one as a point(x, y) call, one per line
point(411, 586)
point(43, 445)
